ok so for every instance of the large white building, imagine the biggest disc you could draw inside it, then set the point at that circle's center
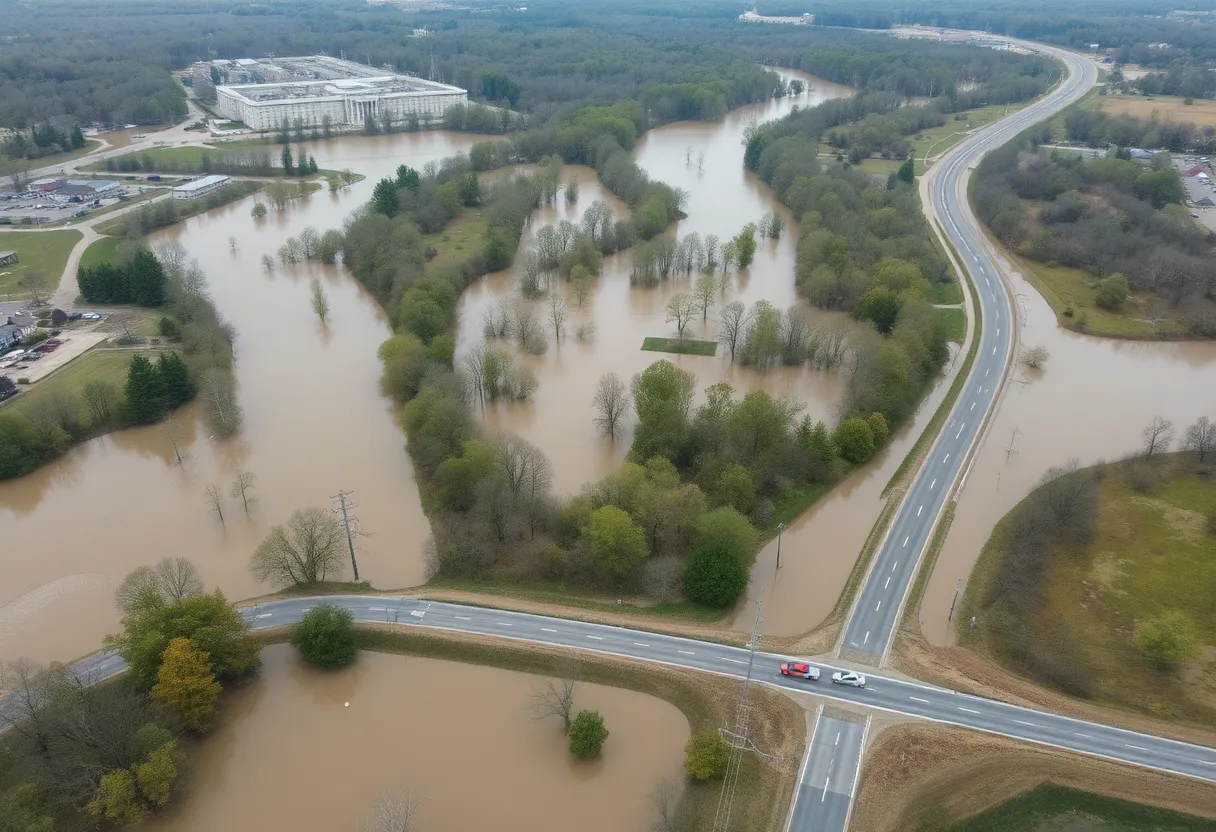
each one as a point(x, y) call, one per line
point(310, 89)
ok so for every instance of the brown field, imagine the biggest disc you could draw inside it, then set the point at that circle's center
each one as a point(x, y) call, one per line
point(1162, 108)
point(918, 776)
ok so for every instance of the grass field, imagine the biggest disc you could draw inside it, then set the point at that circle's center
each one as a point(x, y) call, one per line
point(956, 323)
point(946, 293)
point(462, 237)
point(38, 252)
point(680, 346)
point(1152, 551)
point(1052, 808)
point(9, 166)
point(95, 365)
point(1162, 108)
point(937, 140)
point(104, 250)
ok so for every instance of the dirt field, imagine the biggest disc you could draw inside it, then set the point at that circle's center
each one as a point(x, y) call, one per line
point(1162, 108)
point(927, 777)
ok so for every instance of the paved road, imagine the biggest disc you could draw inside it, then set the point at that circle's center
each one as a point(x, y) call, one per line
point(872, 621)
point(829, 775)
point(884, 694)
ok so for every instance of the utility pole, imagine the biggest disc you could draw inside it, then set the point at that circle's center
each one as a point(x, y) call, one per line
point(780, 529)
point(738, 738)
point(350, 541)
point(958, 586)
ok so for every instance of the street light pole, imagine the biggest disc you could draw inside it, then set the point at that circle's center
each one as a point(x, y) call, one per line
point(780, 529)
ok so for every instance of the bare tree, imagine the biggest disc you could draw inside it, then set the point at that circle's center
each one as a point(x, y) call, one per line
point(19, 180)
point(304, 551)
point(231, 245)
point(394, 812)
point(557, 315)
point(666, 798)
point(662, 576)
point(1200, 439)
point(101, 398)
point(38, 286)
point(1035, 357)
point(218, 393)
point(497, 322)
point(531, 275)
point(680, 309)
point(713, 251)
point(703, 293)
point(172, 255)
point(734, 320)
point(581, 285)
point(612, 401)
point(215, 502)
point(242, 484)
point(555, 698)
point(171, 579)
point(320, 303)
point(525, 327)
point(1158, 435)
point(268, 263)
point(173, 432)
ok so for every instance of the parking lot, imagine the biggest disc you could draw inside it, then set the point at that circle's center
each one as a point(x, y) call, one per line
point(74, 343)
point(40, 210)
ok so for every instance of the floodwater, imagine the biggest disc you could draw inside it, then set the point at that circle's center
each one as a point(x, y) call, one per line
point(291, 755)
point(1089, 401)
point(315, 423)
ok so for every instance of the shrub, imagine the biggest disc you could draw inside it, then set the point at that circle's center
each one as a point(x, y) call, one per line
point(587, 734)
point(1112, 292)
point(706, 755)
point(326, 636)
point(1168, 639)
point(855, 440)
point(715, 575)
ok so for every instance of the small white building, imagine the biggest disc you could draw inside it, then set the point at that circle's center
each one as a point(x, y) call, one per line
point(201, 187)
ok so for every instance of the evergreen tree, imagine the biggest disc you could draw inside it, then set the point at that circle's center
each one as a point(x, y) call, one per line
point(146, 398)
point(907, 172)
point(179, 389)
point(407, 177)
point(146, 279)
point(77, 138)
point(384, 198)
point(312, 164)
point(286, 157)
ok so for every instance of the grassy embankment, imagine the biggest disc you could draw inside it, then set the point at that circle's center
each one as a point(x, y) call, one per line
point(1153, 550)
point(1049, 807)
point(185, 209)
point(680, 346)
point(38, 252)
point(10, 166)
point(763, 791)
point(190, 159)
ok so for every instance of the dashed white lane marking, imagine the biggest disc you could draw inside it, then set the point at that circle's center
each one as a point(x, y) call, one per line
point(1024, 722)
point(919, 510)
point(596, 638)
point(986, 375)
point(503, 624)
point(918, 699)
point(1206, 762)
point(906, 539)
point(968, 710)
point(894, 565)
point(735, 661)
point(686, 652)
point(866, 640)
point(547, 630)
point(888, 583)
point(998, 332)
point(463, 618)
point(377, 609)
point(933, 484)
point(960, 431)
point(994, 350)
point(1079, 734)
point(877, 608)
point(973, 405)
point(264, 615)
point(639, 644)
point(946, 458)
point(1137, 747)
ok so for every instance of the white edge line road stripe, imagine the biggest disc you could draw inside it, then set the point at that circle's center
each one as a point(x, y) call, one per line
point(861, 750)
point(806, 758)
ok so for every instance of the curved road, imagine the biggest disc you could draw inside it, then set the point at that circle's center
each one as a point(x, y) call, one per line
point(868, 633)
point(884, 694)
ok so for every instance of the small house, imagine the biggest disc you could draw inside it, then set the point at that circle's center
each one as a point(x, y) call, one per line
point(8, 258)
point(1196, 171)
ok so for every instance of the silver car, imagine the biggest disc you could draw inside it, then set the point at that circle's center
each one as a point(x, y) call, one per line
point(848, 677)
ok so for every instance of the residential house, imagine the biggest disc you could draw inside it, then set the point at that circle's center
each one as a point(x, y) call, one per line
point(8, 258)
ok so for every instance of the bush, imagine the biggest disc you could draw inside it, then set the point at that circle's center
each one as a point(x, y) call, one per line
point(326, 636)
point(715, 575)
point(170, 328)
point(706, 755)
point(855, 439)
point(587, 734)
point(1168, 639)
point(1112, 292)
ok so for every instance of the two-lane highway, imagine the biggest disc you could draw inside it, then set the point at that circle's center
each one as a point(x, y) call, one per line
point(829, 774)
point(876, 611)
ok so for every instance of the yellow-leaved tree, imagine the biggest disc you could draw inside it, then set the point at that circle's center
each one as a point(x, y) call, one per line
point(185, 684)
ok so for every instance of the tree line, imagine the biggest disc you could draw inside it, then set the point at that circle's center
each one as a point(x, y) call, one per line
point(42, 139)
point(199, 363)
point(1119, 220)
point(1096, 128)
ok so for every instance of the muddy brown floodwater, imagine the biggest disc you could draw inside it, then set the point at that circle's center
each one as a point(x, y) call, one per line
point(314, 423)
point(1089, 401)
point(290, 755)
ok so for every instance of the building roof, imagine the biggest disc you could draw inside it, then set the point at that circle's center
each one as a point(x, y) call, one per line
point(1206, 202)
point(7, 254)
point(204, 182)
point(22, 320)
point(1195, 171)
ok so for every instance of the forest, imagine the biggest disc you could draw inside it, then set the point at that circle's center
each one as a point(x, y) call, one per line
point(1098, 129)
point(1121, 221)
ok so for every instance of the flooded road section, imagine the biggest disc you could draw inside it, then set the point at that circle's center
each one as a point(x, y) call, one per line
point(1089, 401)
point(314, 423)
point(289, 755)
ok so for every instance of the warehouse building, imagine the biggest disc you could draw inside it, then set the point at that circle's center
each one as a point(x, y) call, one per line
point(315, 89)
point(200, 187)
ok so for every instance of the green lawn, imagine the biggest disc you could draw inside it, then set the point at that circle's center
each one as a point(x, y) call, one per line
point(461, 238)
point(184, 156)
point(682, 346)
point(946, 293)
point(1152, 551)
point(1052, 808)
point(38, 252)
point(9, 166)
point(95, 365)
point(100, 251)
point(937, 140)
point(956, 323)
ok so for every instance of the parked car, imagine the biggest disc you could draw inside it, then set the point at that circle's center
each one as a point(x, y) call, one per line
point(848, 677)
point(800, 669)
point(75, 316)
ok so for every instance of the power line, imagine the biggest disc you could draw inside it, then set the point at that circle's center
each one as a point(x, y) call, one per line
point(738, 738)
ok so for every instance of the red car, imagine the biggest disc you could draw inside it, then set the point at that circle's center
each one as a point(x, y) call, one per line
point(800, 669)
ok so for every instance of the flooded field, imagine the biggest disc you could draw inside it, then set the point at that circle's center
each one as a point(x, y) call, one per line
point(290, 755)
point(1089, 401)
